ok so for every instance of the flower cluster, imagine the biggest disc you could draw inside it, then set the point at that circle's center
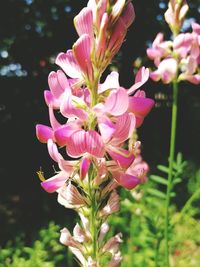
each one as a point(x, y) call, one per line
point(99, 119)
point(178, 58)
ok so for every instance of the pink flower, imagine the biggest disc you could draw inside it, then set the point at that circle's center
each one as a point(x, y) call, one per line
point(167, 71)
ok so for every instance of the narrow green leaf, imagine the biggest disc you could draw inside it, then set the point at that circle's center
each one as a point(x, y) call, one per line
point(179, 158)
point(156, 193)
point(163, 168)
point(158, 179)
point(177, 181)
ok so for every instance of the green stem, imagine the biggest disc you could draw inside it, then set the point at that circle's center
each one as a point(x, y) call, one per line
point(157, 252)
point(170, 174)
point(188, 204)
point(93, 220)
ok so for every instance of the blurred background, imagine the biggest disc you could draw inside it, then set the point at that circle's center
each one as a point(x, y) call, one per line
point(32, 33)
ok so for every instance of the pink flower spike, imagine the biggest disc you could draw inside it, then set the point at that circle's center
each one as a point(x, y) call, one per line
point(84, 22)
point(54, 85)
point(128, 15)
point(84, 167)
point(54, 183)
point(94, 144)
point(44, 133)
point(117, 102)
point(69, 64)
point(82, 53)
point(53, 151)
point(123, 158)
point(126, 180)
point(142, 77)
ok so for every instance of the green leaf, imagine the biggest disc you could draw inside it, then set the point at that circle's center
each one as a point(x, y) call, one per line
point(163, 168)
point(179, 158)
point(156, 193)
point(158, 179)
point(176, 180)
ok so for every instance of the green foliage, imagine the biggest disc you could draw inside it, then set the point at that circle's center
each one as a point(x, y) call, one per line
point(141, 220)
point(45, 252)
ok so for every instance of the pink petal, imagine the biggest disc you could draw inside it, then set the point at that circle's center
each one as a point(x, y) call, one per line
point(63, 81)
point(126, 180)
point(111, 82)
point(102, 38)
point(140, 105)
point(142, 77)
point(53, 151)
point(76, 146)
point(82, 51)
point(117, 102)
point(84, 22)
point(69, 64)
point(54, 85)
point(50, 100)
point(94, 144)
point(63, 133)
point(128, 15)
point(84, 167)
point(106, 127)
point(124, 126)
point(124, 158)
point(117, 9)
point(44, 133)
point(55, 182)
point(117, 36)
point(68, 110)
point(54, 123)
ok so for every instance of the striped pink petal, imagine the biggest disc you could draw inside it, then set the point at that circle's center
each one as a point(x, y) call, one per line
point(106, 127)
point(126, 180)
point(44, 133)
point(82, 53)
point(123, 158)
point(111, 82)
point(128, 15)
point(76, 146)
point(68, 110)
point(84, 167)
point(124, 127)
point(142, 77)
point(84, 22)
point(54, 84)
point(53, 151)
point(94, 144)
point(117, 102)
point(54, 183)
point(63, 133)
point(69, 64)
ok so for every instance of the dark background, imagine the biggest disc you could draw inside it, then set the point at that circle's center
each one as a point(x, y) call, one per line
point(32, 33)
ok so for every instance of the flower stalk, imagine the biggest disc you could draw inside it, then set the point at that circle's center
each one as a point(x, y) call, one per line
point(170, 174)
point(100, 118)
